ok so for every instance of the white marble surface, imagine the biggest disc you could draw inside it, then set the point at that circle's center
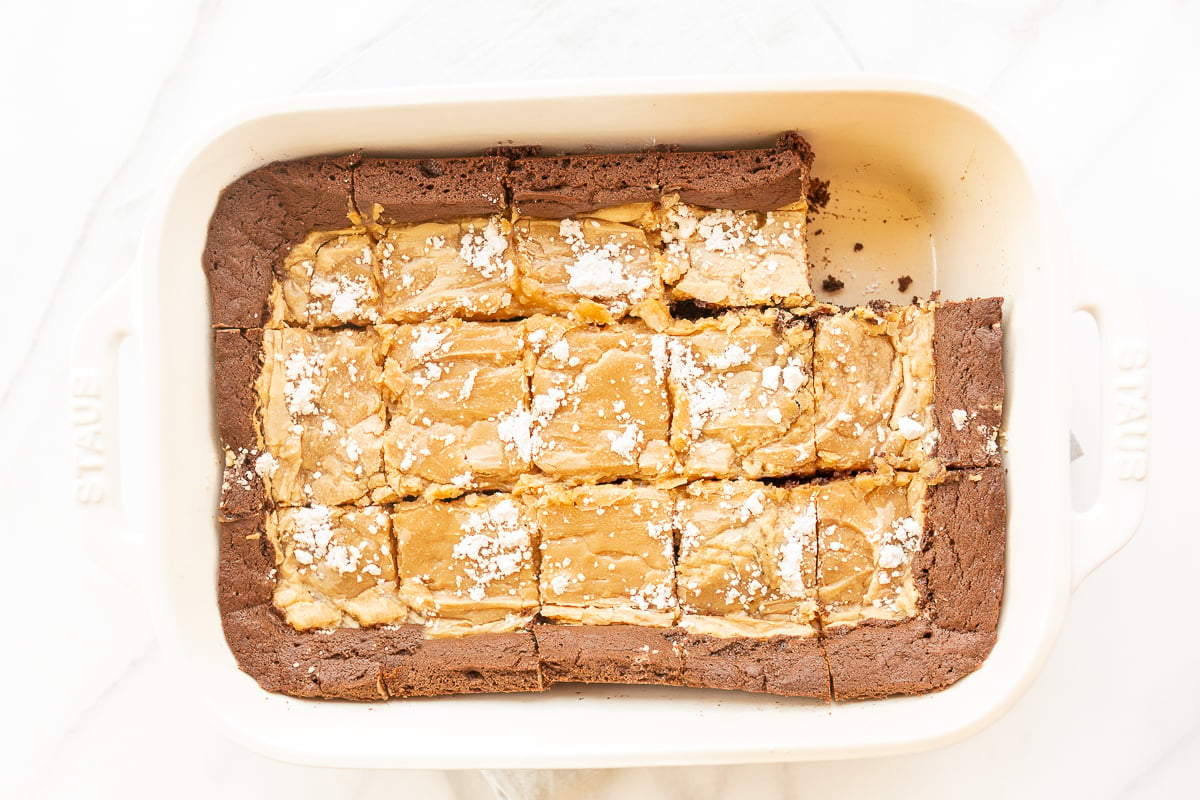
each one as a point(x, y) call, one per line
point(97, 100)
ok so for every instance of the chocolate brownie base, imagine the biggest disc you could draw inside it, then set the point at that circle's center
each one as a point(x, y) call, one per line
point(969, 392)
point(740, 180)
point(376, 663)
point(409, 190)
point(785, 665)
point(960, 574)
point(556, 187)
point(343, 663)
point(246, 575)
point(962, 560)
point(878, 658)
point(608, 654)
point(236, 361)
point(258, 219)
point(489, 662)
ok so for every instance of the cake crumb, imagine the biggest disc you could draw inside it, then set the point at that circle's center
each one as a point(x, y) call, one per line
point(832, 284)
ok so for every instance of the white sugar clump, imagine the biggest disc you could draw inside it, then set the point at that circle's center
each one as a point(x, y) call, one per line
point(625, 443)
point(485, 249)
point(301, 388)
point(705, 397)
point(770, 377)
point(265, 465)
point(496, 546)
point(909, 428)
point(598, 271)
point(313, 540)
point(797, 539)
point(752, 507)
point(428, 340)
point(891, 556)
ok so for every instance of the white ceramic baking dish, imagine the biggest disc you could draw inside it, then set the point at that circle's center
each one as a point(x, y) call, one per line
point(964, 212)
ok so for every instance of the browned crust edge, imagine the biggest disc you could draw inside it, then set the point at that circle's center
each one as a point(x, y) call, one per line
point(608, 654)
point(969, 377)
point(740, 180)
point(556, 187)
point(793, 666)
point(237, 360)
point(412, 190)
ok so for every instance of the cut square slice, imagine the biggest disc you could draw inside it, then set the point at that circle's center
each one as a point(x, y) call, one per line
point(439, 270)
point(335, 567)
point(911, 578)
point(875, 386)
point(468, 565)
point(595, 270)
point(742, 396)
point(322, 417)
point(871, 530)
point(736, 258)
point(328, 280)
point(599, 403)
point(450, 387)
point(607, 555)
point(747, 559)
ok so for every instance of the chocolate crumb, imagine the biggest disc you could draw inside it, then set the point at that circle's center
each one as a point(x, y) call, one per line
point(694, 309)
point(904, 282)
point(818, 231)
point(858, 247)
point(832, 284)
point(818, 194)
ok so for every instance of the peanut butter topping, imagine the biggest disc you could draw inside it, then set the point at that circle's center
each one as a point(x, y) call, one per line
point(599, 403)
point(592, 269)
point(607, 555)
point(328, 281)
point(747, 559)
point(467, 565)
point(439, 270)
point(875, 388)
point(870, 530)
point(742, 396)
point(736, 258)
point(322, 416)
point(335, 567)
point(492, 381)
point(449, 387)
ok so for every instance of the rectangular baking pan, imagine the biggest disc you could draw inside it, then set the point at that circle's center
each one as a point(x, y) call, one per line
point(965, 214)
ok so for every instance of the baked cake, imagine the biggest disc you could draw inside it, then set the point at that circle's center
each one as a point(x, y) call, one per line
point(494, 423)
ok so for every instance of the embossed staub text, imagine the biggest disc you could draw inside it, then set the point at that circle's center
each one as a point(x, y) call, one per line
point(1132, 410)
point(87, 436)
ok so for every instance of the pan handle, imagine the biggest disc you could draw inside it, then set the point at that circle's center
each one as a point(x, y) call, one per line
point(92, 410)
point(1103, 529)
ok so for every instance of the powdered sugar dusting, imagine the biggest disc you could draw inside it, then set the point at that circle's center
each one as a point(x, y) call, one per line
point(313, 539)
point(301, 382)
point(705, 397)
point(428, 340)
point(496, 545)
point(599, 271)
point(485, 249)
point(797, 540)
